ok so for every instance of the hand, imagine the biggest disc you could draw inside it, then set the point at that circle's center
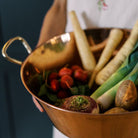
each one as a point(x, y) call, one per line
point(54, 22)
point(37, 104)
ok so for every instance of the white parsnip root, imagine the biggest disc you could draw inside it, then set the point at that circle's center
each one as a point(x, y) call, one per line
point(90, 40)
point(114, 39)
point(98, 47)
point(87, 57)
point(116, 62)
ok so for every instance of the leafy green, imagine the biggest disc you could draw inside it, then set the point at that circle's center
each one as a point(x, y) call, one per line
point(84, 89)
point(35, 82)
point(74, 90)
point(80, 90)
point(44, 91)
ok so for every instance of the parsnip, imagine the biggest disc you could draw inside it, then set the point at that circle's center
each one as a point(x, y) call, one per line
point(117, 76)
point(116, 62)
point(114, 39)
point(87, 58)
point(91, 41)
point(98, 47)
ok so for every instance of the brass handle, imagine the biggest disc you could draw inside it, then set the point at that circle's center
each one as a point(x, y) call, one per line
point(9, 42)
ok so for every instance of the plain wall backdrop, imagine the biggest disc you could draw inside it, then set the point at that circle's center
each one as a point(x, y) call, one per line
point(19, 118)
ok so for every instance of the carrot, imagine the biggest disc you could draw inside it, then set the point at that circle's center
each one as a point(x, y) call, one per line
point(114, 39)
point(116, 62)
point(86, 56)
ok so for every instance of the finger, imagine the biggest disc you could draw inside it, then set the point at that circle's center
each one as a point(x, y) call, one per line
point(37, 104)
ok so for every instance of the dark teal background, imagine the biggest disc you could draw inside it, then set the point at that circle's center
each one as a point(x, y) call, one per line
point(19, 118)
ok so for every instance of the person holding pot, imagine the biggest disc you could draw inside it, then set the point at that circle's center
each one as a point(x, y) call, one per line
point(91, 14)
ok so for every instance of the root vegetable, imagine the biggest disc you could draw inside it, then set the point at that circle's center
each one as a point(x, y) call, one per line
point(52, 76)
point(116, 110)
point(86, 56)
point(116, 62)
point(75, 67)
point(66, 81)
point(126, 96)
point(65, 71)
point(114, 39)
point(115, 52)
point(81, 75)
point(81, 103)
point(54, 85)
point(91, 41)
point(98, 47)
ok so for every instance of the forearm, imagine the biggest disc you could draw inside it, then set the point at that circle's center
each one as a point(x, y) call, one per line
point(54, 21)
point(54, 24)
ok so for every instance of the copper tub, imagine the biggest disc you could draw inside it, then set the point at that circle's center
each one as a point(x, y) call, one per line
point(75, 124)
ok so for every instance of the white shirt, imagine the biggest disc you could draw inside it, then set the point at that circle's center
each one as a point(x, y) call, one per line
point(101, 13)
point(92, 13)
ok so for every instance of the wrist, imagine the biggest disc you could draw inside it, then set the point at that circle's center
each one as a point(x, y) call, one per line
point(60, 2)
